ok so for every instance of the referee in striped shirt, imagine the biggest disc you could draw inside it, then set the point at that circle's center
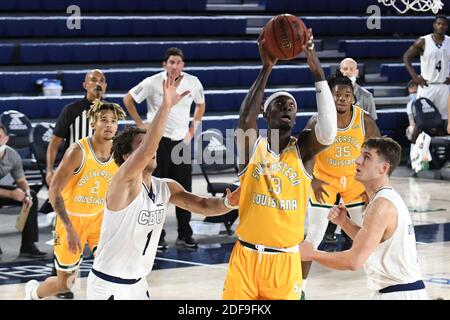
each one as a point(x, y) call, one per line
point(72, 123)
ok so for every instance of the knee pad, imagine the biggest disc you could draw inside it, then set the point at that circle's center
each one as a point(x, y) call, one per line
point(317, 224)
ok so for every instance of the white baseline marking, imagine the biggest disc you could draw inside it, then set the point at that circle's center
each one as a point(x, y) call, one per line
point(193, 263)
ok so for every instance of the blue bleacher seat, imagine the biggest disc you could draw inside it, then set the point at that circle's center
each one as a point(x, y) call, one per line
point(216, 101)
point(31, 26)
point(357, 26)
point(103, 5)
point(6, 53)
point(124, 79)
point(383, 48)
point(99, 52)
point(107, 26)
point(396, 72)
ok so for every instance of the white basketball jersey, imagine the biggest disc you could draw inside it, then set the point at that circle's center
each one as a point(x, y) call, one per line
point(434, 61)
point(394, 261)
point(129, 237)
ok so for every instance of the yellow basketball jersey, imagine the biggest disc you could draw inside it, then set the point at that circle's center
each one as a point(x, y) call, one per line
point(274, 193)
point(85, 192)
point(339, 158)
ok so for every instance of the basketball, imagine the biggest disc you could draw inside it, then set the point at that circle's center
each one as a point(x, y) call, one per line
point(285, 36)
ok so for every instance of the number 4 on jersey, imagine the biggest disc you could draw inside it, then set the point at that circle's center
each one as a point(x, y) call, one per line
point(438, 66)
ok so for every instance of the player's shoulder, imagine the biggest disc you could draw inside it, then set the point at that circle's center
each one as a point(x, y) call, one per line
point(382, 205)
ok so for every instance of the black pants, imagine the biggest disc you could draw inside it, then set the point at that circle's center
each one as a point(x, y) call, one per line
point(182, 173)
point(30, 232)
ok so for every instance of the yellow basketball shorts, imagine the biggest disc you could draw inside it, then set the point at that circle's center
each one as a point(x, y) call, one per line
point(87, 228)
point(262, 276)
point(350, 190)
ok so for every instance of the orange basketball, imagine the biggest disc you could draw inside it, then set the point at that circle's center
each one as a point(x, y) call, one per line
point(285, 36)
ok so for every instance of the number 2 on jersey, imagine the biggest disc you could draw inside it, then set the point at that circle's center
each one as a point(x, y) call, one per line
point(148, 241)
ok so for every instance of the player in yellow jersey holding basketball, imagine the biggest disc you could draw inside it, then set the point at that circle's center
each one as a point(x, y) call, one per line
point(77, 193)
point(335, 168)
point(275, 177)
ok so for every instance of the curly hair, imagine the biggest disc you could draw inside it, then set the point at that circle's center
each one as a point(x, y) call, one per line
point(123, 143)
point(98, 105)
point(339, 79)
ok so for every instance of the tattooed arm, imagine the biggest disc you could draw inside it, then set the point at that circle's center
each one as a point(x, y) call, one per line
point(71, 161)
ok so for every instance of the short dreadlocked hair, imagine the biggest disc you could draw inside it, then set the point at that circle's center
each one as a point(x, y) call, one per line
point(339, 79)
point(123, 143)
point(98, 105)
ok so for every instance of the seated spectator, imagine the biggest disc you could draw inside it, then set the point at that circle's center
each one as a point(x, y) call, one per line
point(427, 118)
point(10, 163)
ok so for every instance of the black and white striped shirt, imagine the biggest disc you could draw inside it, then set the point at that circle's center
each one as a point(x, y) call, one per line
point(72, 123)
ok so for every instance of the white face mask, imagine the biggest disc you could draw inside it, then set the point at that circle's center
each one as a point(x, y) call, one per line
point(2, 148)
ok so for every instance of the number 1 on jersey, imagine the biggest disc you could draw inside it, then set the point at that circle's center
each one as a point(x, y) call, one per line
point(148, 241)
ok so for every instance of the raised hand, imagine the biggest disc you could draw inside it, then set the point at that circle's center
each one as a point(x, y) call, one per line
point(170, 85)
point(266, 58)
point(312, 59)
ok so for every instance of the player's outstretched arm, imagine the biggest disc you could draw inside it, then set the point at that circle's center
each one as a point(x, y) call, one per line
point(413, 51)
point(379, 216)
point(251, 107)
point(126, 183)
point(312, 141)
point(207, 206)
point(71, 161)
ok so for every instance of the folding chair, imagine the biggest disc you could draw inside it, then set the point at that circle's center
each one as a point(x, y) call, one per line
point(20, 138)
point(215, 159)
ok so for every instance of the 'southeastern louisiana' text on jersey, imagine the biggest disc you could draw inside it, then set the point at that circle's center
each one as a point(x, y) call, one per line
point(86, 190)
point(274, 193)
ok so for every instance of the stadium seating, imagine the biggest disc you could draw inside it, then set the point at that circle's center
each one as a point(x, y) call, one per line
point(216, 101)
point(384, 48)
point(396, 72)
point(357, 26)
point(129, 51)
point(124, 79)
point(129, 26)
point(103, 5)
point(109, 26)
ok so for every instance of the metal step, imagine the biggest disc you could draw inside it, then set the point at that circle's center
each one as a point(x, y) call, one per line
point(390, 101)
